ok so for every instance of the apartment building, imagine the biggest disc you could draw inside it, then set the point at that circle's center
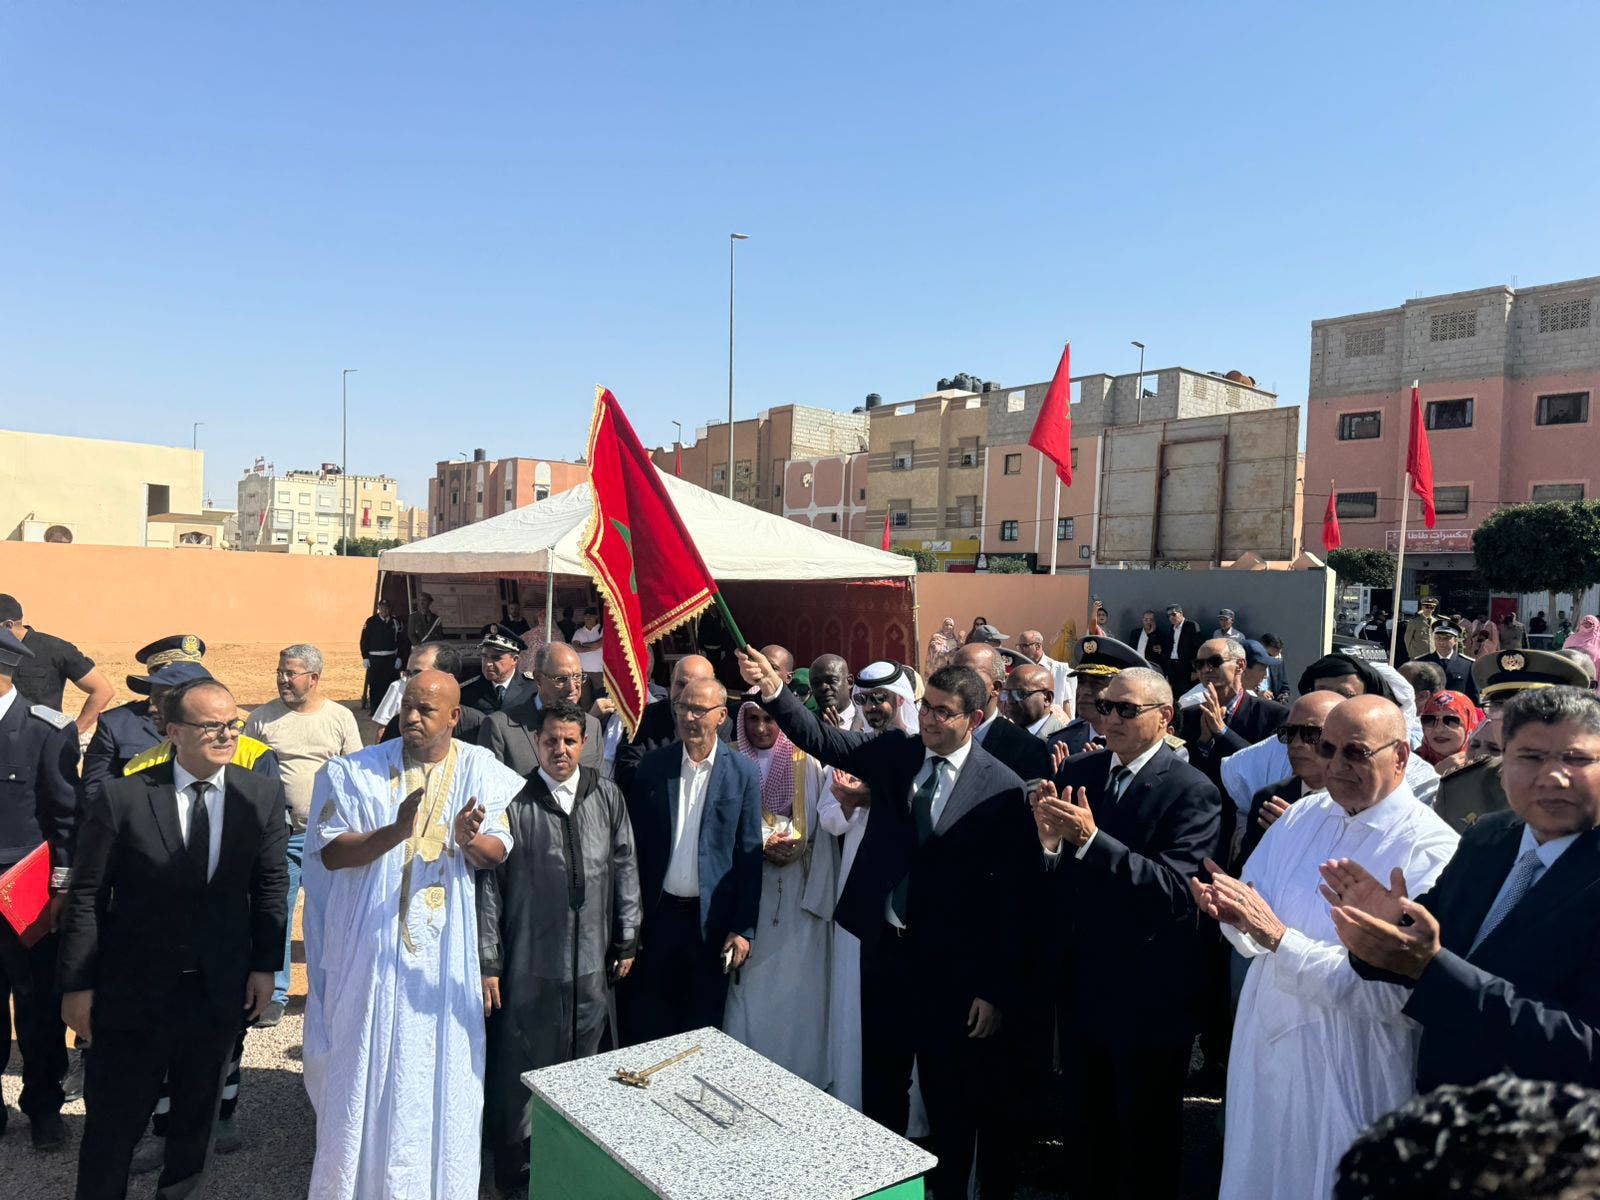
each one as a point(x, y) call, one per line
point(464, 491)
point(306, 512)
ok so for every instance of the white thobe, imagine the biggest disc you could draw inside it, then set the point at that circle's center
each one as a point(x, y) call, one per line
point(1318, 1052)
point(394, 1032)
point(844, 994)
point(1251, 769)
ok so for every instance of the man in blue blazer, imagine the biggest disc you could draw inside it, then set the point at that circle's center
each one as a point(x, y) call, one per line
point(936, 895)
point(696, 812)
point(1502, 955)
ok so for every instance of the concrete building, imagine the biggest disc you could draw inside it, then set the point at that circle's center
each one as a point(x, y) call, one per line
point(100, 492)
point(299, 512)
point(763, 448)
point(954, 471)
point(829, 493)
point(462, 492)
point(1507, 377)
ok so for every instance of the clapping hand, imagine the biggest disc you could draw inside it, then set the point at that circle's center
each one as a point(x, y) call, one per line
point(405, 817)
point(831, 716)
point(1403, 950)
point(757, 670)
point(1061, 818)
point(1213, 719)
point(1238, 904)
point(1347, 884)
point(1058, 755)
point(1271, 811)
point(783, 849)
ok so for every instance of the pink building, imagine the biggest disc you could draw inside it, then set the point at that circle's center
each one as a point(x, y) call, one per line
point(1506, 379)
point(828, 493)
point(461, 493)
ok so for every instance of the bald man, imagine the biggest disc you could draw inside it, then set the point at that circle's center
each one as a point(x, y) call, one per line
point(1302, 1001)
point(658, 727)
point(1063, 683)
point(1018, 749)
point(397, 834)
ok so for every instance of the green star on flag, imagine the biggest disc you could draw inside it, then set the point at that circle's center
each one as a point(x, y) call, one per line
point(627, 538)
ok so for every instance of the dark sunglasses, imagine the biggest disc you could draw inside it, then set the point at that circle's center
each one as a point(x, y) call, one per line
point(1310, 735)
point(1449, 720)
point(1359, 755)
point(1214, 662)
point(1125, 709)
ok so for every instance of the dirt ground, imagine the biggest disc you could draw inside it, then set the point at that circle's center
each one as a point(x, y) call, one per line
point(246, 667)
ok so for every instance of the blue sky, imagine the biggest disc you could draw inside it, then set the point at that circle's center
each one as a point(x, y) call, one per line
point(208, 210)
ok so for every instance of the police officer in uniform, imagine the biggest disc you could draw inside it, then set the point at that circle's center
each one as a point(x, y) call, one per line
point(1099, 660)
point(501, 685)
point(38, 803)
point(1475, 790)
point(130, 729)
point(1457, 667)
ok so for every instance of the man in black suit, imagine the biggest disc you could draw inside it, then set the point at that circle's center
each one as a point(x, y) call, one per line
point(1503, 953)
point(1149, 640)
point(1027, 756)
point(512, 735)
point(173, 928)
point(935, 895)
point(1124, 830)
point(657, 726)
point(695, 806)
point(39, 750)
point(1301, 731)
point(1178, 651)
point(1100, 659)
point(437, 656)
point(1457, 667)
point(499, 686)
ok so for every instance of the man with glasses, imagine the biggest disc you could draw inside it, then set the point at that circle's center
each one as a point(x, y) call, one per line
point(1181, 642)
point(1299, 735)
point(192, 851)
point(1014, 746)
point(1124, 830)
point(695, 805)
point(512, 735)
point(1063, 684)
point(1302, 1002)
point(305, 730)
point(499, 685)
point(658, 726)
point(935, 895)
point(1500, 958)
point(1028, 698)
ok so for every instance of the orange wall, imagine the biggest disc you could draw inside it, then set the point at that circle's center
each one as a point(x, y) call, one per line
point(93, 595)
point(1011, 602)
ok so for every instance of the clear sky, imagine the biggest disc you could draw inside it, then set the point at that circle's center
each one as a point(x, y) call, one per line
point(207, 210)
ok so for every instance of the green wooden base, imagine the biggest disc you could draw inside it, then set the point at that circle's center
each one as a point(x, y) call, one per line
point(566, 1165)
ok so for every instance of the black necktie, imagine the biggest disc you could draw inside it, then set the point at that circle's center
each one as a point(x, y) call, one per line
point(198, 844)
point(499, 695)
point(922, 823)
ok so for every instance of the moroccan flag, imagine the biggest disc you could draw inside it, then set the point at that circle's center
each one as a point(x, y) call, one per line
point(885, 531)
point(1330, 525)
point(1052, 432)
point(1419, 459)
point(640, 555)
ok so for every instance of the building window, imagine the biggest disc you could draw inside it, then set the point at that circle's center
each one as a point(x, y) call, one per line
point(1008, 531)
point(1355, 427)
point(1563, 315)
point(1356, 505)
point(1074, 458)
point(509, 493)
point(1544, 493)
point(1065, 528)
point(834, 518)
point(719, 473)
point(1013, 464)
point(324, 520)
point(280, 539)
point(966, 511)
point(901, 513)
point(283, 495)
point(1453, 326)
point(1564, 408)
point(1085, 551)
point(455, 497)
point(1016, 401)
point(388, 506)
point(969, 452)
point(861, 497)
point(540, 492)
point(1450, 501)
point(1449, 414)
point(305, 497)
point(1363, 343)
point(900, 459)
point(480, 495)
point(322, 539)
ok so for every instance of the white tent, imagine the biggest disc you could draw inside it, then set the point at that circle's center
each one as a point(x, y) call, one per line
point(737, 542)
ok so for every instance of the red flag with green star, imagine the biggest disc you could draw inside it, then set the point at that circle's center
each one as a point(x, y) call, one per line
point(643, 561)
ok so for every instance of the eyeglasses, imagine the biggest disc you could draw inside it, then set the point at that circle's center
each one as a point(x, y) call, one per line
point(1125, 709)
point(562, 681)
point(1448, 720)
point(1570, 762)
point(694, 711)
point(1015, 697)
point(1356, 755)
point(880, 699)
point(940, 713)
point(294, 674)
point(1215, 662)
point(1309, 735)
point(215, 729)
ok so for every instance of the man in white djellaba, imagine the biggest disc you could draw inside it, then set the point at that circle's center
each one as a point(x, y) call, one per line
point(394, 1035)
point(1318, 1053)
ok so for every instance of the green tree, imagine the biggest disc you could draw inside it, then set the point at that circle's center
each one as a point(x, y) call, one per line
point(1353, 564)
point(1551, 547)
point(1008, 564)
point(363, 547)
point(927, 560)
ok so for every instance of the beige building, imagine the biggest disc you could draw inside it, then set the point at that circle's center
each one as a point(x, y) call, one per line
point(300, 512)
point(102, 493)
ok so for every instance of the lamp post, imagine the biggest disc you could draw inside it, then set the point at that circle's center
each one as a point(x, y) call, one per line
point(344, 454)
point(1138, 387)
point(732, 238)
point(194, 436)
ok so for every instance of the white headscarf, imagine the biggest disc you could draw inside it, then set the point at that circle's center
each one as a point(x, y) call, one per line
point(891, 677)
point(1406, 697)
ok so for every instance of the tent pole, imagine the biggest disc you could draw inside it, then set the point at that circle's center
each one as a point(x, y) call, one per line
point(549, 604)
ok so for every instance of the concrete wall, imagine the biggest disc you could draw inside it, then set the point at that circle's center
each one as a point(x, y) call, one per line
point(1011, 602)
point(1295, 605)
point(102, 594)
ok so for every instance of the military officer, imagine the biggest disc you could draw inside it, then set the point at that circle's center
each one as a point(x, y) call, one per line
point(1475, 790)
point(1419, 630)
point(1457, 667)
point(129, 729)
point(38, 782)
point(1098, 660)
point(500, 685)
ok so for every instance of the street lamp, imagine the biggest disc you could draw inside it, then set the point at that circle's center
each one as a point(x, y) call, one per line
point(344, 453)
point(194, 436)
point(1139, 384)
point(732, 238)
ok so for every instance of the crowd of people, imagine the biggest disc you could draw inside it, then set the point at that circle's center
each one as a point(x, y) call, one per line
point(960, 898)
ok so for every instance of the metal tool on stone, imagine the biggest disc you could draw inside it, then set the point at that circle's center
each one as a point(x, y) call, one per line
point(641, 1079)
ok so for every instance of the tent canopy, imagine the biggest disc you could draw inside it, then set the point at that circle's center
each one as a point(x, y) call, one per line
point(737, 542)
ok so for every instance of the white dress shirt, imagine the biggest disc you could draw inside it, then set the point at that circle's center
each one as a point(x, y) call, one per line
point(982, 731)
point(1144, 640)
point(683, 869)
point(564, 794)
point(6, 702)
point(953, 762)
point(1135, 766)
point(1548, 853)
point(181, 779)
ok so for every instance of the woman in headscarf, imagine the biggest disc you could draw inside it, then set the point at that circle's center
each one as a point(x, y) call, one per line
point(1586, 637)
point(779, 999)
point(1448, 719)
point(943, 645)
point(1485, 638)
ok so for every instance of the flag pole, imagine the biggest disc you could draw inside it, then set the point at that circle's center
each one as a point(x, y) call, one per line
point(727, 619)
point(1055, 525)
point(1399, 567)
